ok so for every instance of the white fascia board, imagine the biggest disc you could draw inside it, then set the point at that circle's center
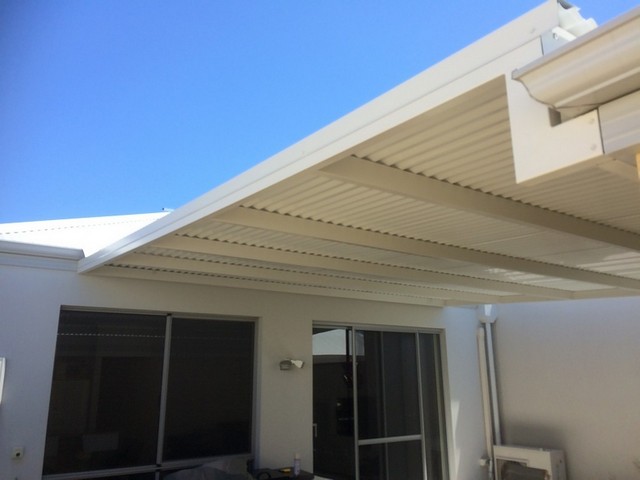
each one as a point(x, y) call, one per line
point(484, 60)
point(620, 127)
point(620, 124)
point(542, 150)
point(39, 256)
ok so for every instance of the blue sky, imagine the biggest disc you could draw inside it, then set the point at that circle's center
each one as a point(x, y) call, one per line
point(117, 107)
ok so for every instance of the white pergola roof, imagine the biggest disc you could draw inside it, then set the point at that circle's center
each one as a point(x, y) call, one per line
point(413, 198)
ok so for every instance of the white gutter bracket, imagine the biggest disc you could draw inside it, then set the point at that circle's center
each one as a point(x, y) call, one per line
point(572, 25)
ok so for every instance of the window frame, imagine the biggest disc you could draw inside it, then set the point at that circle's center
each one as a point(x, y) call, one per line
point(160, 464)
point(443, 414)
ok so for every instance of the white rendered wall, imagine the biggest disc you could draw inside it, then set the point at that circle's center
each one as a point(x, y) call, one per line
point(30, 301)
point(569, 376)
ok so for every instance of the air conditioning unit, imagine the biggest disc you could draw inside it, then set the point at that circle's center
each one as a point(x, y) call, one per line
point(526, 463)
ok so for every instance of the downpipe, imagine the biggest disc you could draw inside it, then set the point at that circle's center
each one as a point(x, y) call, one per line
point(486, 314)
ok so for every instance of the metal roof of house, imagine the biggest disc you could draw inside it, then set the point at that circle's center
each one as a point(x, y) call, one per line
point(413, 198)
point(86, 234)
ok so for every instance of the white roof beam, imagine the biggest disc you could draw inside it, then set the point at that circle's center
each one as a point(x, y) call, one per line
point(273, 286)
point(354, 236)
point(388, 179)
point(316, 279)
point(215, 247)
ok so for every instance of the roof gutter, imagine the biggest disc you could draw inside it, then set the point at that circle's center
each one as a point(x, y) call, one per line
point(579, 106)
point(594, 69)
point(39, 256)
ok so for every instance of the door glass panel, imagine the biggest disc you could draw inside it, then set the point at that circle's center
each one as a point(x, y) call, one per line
point(398, 423)
point(333, 442)
point(210, 393)
point(435, 445)
point(107, 368)
point(388, 400)
point(391, 461)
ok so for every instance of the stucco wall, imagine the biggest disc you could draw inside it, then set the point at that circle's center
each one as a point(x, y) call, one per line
point(30, 301)
point(569, 376)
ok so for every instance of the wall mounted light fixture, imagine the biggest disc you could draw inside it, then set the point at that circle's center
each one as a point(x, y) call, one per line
point(288, 363)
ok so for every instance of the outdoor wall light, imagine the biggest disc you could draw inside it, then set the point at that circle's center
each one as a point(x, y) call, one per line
point(287, 364)
point(3, 362)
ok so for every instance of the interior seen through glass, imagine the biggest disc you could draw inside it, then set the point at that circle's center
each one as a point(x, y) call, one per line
point(378, 413)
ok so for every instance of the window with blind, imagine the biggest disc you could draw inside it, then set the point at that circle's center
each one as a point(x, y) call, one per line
point(134, 394)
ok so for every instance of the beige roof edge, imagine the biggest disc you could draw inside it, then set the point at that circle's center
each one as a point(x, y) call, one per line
point(402, 103)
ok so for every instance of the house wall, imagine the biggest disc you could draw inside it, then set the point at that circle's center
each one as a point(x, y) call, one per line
point(30, 300)
point(569, 377)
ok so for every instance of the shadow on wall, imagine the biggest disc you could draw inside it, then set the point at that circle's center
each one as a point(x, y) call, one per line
point(568, 379)
point(467, 444)
point(536, 435)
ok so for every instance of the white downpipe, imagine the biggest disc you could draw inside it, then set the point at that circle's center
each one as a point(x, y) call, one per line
point(486, 400)
point(487, 315)
point(495, 412)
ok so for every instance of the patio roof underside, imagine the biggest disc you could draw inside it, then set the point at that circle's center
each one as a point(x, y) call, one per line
point(427, 212)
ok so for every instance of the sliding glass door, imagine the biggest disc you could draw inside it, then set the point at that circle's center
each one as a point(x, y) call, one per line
point(334, 453)
point(378, 411)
